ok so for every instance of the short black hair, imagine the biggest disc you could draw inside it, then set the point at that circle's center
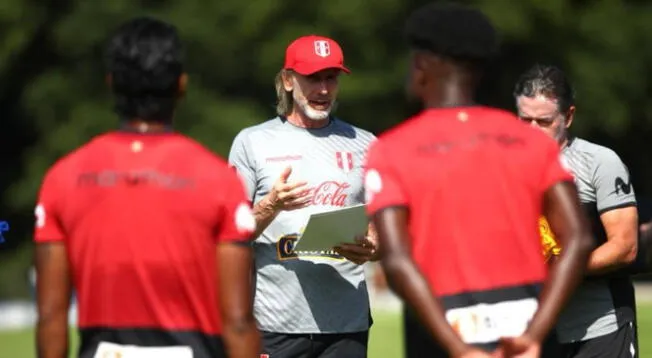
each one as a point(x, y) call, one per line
point(453, 31)
point(145, 60)
point(548, 81)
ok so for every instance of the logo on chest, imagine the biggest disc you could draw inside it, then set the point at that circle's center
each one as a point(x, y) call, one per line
point(344, 161)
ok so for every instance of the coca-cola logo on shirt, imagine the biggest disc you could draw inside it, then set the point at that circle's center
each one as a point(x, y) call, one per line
point(330, 193)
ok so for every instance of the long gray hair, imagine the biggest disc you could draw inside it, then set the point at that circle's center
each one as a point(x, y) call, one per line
point(284, 101)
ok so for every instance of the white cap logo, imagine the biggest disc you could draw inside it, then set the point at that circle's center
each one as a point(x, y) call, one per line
point(373, 184)
point(322, 48)
point(244, 218)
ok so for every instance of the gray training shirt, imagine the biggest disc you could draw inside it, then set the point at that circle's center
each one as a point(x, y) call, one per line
point(305, 292)
point(601, 304)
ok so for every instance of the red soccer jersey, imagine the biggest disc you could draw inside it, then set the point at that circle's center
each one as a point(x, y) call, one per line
point(140, 215)
point(473, 180)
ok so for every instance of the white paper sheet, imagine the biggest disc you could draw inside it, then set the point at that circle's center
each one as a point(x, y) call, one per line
point(325, 230)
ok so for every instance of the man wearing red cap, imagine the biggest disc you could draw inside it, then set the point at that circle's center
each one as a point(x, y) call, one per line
point(305, 161)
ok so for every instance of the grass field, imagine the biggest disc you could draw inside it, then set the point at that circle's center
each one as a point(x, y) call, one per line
point(385, 342)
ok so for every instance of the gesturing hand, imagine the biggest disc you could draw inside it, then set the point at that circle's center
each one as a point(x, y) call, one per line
point(289, 196)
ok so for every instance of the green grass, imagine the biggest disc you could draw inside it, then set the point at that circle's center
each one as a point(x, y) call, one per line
point(386, 336)
point(386, 339)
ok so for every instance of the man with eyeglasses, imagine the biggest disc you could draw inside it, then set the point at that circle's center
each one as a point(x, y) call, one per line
point(600, 318)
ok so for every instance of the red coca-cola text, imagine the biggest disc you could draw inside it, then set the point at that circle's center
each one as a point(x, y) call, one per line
point(331, 193)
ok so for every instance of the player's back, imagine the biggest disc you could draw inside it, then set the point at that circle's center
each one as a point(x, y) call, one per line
point(140, 215)
point(475, 179)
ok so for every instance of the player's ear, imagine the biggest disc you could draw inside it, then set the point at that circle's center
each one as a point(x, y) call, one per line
point(414, 79)
point(570, 115)
point(421, 63)
point(183, 83)
point(288, 83)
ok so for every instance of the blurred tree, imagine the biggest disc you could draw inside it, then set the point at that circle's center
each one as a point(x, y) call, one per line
point(53, 97)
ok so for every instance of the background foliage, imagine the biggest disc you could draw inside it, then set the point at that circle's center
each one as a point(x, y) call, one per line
point(53, 98)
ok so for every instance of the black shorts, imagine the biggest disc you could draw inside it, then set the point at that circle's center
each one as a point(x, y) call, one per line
point(550, 347)
point(418, 340)
point(620, 344)
point(349, 345)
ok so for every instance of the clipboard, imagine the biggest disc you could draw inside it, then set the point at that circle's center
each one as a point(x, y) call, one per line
point(328, 229)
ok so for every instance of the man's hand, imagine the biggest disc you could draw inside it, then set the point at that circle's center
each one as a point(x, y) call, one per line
point(365, 249)
point(474, 353)
point(282, 196)
point(518, 347)
point(645, 227)
point(289, 196)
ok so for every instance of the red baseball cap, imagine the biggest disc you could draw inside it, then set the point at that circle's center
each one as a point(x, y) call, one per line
point(309, 54)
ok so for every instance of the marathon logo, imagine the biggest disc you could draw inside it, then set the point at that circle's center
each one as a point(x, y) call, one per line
point(284, 158)
point(148, 177)
point(506, 140)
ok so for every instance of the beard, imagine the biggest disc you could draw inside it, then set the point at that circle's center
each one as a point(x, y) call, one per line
point(310, 112)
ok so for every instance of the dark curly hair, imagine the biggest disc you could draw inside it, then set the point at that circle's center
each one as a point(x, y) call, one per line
point(452, 31)
point(144, 59)
point(548, 81)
